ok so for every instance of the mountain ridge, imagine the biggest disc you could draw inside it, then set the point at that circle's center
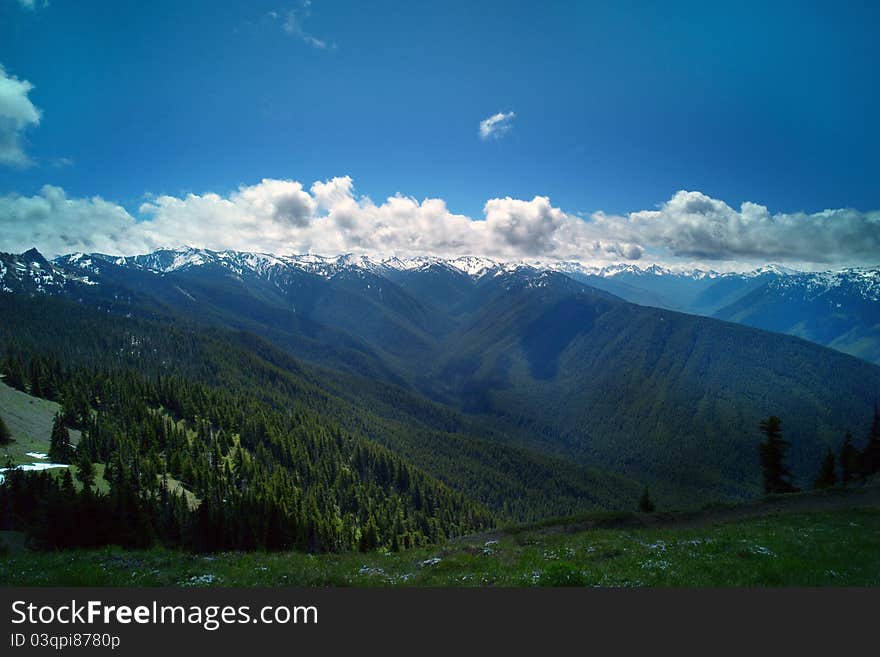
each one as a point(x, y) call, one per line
point(543, 360)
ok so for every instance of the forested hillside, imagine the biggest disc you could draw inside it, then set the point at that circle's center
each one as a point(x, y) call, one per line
point(221, 382)
point(513, 392)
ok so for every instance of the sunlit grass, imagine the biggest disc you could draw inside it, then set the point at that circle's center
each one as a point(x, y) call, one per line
point(812, 549)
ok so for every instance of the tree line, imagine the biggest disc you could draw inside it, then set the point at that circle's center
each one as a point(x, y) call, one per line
point(852, 463)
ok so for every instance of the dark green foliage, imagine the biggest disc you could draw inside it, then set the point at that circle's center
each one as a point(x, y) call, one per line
point(562, 574)
point(827, 476)
point(14, 373)
point(777, 477)
point(35, 387)
point(369, 536)
point(85, 469)
point(668, 399)
point(850, 466)
point(266, 478)
point(60, 449)
point(645, 503)
point(870, 458)
point(5, 436)
point(513, 482)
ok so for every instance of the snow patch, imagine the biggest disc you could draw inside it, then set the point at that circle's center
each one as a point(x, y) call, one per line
point(31, 466)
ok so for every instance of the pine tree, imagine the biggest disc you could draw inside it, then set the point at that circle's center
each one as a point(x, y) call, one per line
point(60, 449)
point(871, 454)
point(67, 487)
point(85, 470)
point(5, 436)
point(849, 460)
point(827, 477)
point(646, 505)
point(14, 374)
point(777, 477)
point(369, 536)
point(35, 388)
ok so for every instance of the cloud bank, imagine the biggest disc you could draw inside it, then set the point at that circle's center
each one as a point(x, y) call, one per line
point(283, 216)
point(17, 113)
point(497, 125)
point(692, 224)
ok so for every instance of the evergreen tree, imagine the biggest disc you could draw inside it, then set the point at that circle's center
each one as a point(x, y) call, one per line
point(68, 490)
point(827, 477)
point(871, 454)
point(777, 477)
point(646, 505)
point(60, 449)
point(14, 373)
point(35, 388)
point(369, 536)
point(849, 460)
point(5, 436)
point(85, 469)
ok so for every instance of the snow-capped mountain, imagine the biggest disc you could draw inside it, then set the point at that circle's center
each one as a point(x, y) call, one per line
point(839, 309)
point(863, 281)
point(77, 267)
point(31, 273)
point(686, 288)
point(180, 259)
point(835, 308)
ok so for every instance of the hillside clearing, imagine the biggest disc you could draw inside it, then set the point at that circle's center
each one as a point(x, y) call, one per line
point(30, 422)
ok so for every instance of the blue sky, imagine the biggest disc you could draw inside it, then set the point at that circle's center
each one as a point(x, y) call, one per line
point(615, 108)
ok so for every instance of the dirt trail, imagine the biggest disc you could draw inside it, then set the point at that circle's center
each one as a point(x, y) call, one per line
point(854, 497)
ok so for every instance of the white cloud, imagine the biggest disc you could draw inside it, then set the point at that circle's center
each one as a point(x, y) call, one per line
point(56, 224)
point(33, 4)
point(17, 113)
point(280, 216)
point(497, 125)
point(292, 24)
point(60, 162)
point(692, 224)
point(283, 216)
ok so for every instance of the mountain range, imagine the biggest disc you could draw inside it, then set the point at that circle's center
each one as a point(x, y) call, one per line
point(838, 309)
point(621, 370)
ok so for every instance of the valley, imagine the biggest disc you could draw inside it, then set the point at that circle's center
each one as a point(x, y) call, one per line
point(242, 401)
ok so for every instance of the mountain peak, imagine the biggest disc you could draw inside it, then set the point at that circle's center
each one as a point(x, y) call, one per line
point(774, 268)
point(33, 255)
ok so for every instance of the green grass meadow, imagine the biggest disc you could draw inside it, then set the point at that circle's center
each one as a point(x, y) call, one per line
point(840, 548)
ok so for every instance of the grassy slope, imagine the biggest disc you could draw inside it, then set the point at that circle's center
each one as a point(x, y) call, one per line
point(30, 422)
point(814, 539)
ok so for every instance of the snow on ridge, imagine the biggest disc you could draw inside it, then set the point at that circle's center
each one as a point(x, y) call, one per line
point(167, 260)
point(860, 281)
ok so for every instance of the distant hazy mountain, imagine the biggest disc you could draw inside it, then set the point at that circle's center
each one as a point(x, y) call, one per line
point(838, 309)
